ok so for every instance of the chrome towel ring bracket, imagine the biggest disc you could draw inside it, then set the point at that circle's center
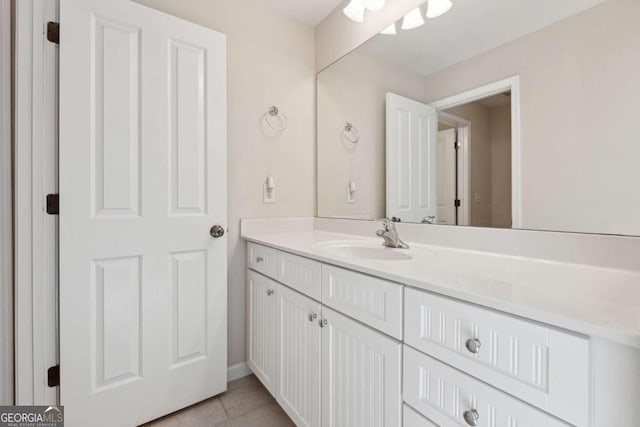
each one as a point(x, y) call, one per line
point(270, 117)
point(350, 133)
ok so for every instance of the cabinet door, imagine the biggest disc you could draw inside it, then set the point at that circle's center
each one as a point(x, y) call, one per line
point(262, 315)
point(360, 374)
point(298, 379)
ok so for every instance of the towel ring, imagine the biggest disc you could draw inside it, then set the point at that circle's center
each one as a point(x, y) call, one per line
point(350, 133)
point(272, 112)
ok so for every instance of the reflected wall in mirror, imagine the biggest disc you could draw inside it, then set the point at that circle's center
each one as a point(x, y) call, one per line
point(496, 114)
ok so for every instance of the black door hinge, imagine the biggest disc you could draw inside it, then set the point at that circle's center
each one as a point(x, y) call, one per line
point(53, 376)
point(53, 204)
point(457, 203)
point(53, 32)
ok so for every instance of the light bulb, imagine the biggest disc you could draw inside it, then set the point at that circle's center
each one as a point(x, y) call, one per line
point(412, 19)
point(373, 5)
point(438, 7)
point(390, 30)
point(355, 11)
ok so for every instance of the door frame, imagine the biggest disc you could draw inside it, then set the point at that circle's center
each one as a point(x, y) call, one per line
point(35, 176)
point(6, 207)
point(509, 84)
point(463, 127)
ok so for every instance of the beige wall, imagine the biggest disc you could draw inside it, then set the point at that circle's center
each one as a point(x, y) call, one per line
point(580, 94)
point(270, 61)
point(337, 35)
point(501, 166)
point(353, 90)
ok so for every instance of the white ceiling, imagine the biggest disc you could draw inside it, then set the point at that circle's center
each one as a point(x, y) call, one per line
point(310, 12)
point(470, 28)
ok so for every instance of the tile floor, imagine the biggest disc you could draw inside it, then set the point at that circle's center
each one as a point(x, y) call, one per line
point(246, 403)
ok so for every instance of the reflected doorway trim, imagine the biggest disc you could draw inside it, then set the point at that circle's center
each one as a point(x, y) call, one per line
point(510, 84)
point(463, 181)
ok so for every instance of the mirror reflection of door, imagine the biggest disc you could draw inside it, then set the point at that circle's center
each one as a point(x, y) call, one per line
point(446, 181)
point(451, 167)
point(411, 139)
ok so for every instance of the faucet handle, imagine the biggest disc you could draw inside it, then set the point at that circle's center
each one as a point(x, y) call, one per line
point(387, 224)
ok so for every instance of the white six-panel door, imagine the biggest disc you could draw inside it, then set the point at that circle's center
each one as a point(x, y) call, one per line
point(361, 375)
point(411, 137)
point(142, 180)
point(298, 385)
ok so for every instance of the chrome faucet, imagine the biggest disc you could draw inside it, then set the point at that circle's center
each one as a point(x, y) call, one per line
point(390, 235)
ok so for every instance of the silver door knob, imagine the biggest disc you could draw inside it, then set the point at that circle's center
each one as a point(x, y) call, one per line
point(312, 317)
point(471, 417)
point(216, 231)
point(473, 345)
point(269, 292)
point(323, 323)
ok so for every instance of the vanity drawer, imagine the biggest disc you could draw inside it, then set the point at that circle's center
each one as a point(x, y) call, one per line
point(412, 418)
point(262, 259)
point(373, 301)
point(301, 274)
point(543, 366)
point(452, 398)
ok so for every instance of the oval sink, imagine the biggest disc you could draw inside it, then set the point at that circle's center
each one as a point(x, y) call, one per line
point(364, 250)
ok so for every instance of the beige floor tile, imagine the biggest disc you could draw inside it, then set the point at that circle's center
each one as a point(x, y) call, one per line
point(244, 395)
point(209, 413)
point(270, 415)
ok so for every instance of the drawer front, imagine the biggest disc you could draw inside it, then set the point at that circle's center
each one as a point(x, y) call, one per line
point(302, 274)
point(376, 302)
point(452, 398)
point(543, 366)
point(262, 259)
point(412, 418)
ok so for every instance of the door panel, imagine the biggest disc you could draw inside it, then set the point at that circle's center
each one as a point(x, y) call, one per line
point(142, 283)
point(361, 375)
point(411, 129)
point(298, 388)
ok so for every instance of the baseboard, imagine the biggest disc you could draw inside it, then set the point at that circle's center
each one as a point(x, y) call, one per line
point(237, 371)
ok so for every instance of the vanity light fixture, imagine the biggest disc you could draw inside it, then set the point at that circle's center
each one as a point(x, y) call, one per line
point(355, 11)
point(436, 8)
point(390, 30)
point(412, 19)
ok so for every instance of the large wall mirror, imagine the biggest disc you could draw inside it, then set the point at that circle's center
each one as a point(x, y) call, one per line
point(499, 113)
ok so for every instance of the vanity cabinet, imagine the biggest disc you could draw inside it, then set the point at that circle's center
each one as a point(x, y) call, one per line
point(262, 328)
point(340, 348)
point(324, 367)
point(361, 374)
point(298, 385)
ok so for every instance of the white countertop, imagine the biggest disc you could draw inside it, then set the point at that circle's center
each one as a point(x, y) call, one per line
point(593, 301)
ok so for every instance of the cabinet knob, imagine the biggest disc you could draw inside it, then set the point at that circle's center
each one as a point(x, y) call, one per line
point(471, 417)
point(269, 292)
point(259, 259)
point(323, 323)
point(312, 317)
point(473, 345)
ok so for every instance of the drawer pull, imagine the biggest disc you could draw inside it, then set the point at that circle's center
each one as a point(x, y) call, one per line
point(473, 345)
point(269, 292)
point(471, 417)
point(322, 322)
point(259, 259)
point(312, 317)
